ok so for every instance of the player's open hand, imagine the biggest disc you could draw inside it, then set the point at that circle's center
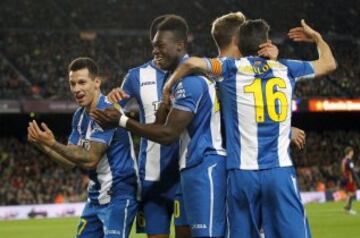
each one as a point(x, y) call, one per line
point(117, 95)
point(304, 33)
point(298, 137)
point(268, 50)
point(43, 135)
point(107, 118)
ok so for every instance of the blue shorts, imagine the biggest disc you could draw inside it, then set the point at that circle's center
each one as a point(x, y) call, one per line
point(179, 209)
point(204, 193)
point(112, 220)
point(157, 207)
point(267, 199)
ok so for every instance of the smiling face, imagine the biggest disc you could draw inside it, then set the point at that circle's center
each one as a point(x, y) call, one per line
point(84, 86)
point(167, 50)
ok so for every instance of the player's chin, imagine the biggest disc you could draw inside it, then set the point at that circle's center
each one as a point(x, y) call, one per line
point(81, 102)
point(162, 65)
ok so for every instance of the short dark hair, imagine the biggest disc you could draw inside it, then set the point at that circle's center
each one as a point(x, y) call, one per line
point(175, 24)
point(84, 63)
point(154, 25)
point(253, 33)
point(225, 27)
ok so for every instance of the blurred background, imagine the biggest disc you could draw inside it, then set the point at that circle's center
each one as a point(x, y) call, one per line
point(38, 39)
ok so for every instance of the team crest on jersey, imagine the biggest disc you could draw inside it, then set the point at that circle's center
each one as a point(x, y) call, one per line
point(180, 91)
point(84, 143)
point(97, 128)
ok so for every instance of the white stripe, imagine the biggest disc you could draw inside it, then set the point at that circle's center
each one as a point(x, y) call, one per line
point(105, 178)
point(136, 168)
point(247, 127)
point(211, 199)
point(293, 179)
point(149, 96)
point(215, 121)
point(125, 217)
point(227, 217)
point(285, 126)
point(184, 141)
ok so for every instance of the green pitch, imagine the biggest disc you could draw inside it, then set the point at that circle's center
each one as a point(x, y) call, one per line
point(327, 221)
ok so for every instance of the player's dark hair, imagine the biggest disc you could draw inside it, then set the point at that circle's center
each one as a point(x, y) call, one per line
point(154, 25)
point(225, 27)
point(84, 63)
point(175, 24)
point(252, 34)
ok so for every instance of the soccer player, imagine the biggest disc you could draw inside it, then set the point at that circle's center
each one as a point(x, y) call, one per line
point(107, 155)
point(347, 168)
point(195, 118)
point(224, 32)
point(158, 164)
point(256, 98)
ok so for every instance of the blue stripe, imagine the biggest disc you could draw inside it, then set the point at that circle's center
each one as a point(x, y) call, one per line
point(229, 107)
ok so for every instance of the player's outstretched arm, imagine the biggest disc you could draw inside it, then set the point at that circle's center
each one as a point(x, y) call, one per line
point(190, 66)
point(166, 133)
point(72, 153)
point(326, 62)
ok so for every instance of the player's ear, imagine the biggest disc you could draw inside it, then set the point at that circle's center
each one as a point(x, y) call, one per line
point(180, 46)
point(97, 82)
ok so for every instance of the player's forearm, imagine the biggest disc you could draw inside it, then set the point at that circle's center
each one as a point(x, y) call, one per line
point(326, 62)
point(75, 154)
point(190, 66)
point(154, 132)
point(62, 161)
point(161, 114)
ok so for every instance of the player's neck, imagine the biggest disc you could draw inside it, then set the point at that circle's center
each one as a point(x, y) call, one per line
point(230, 51)
point(94, 102)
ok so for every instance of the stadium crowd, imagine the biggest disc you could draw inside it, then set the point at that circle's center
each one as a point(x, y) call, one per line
point(28, 177)
point(36, 47)
point(40, 71)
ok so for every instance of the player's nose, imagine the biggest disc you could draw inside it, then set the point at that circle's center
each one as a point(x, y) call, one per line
point(155, 51)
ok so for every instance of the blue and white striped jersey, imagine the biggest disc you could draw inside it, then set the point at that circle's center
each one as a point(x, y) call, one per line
point(256, 96)
point(145, 84)
point(116, 172)
point(197, 94)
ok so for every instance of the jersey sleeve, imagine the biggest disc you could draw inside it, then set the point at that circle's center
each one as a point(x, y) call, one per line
point(187, 94)
point(97, 134)
point(74, 136)
point(299, 69)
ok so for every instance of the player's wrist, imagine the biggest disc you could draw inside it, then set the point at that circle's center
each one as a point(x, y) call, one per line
point(317, 37)
point(51, 143)
point(123, 120)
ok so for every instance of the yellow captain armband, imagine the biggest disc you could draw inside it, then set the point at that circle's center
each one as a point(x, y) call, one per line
point(216, 67)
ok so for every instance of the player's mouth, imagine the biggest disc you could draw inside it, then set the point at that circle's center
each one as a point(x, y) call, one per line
point(159, 60)
point(79, 97)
